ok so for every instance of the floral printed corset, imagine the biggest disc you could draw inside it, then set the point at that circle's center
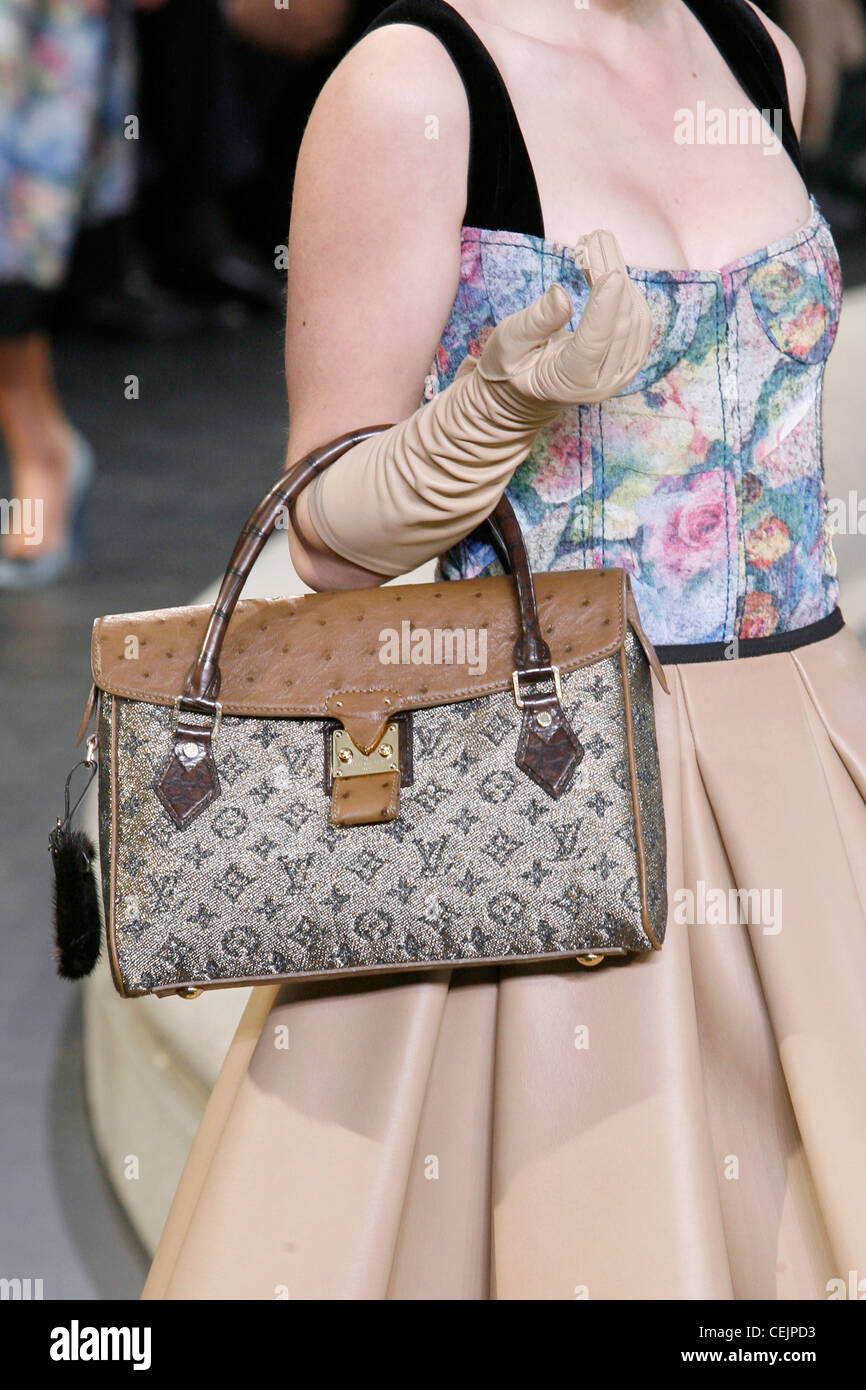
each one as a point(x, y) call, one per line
point(704, 479)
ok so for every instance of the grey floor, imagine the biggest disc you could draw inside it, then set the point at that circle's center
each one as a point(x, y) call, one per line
point(178, 470)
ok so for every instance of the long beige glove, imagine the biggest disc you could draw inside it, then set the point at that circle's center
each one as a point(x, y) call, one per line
point(414, 490)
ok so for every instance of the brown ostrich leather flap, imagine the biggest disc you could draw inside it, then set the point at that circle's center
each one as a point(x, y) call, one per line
point(363, 653)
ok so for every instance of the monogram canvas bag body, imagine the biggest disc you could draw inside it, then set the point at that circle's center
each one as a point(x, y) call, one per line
point(382, 779)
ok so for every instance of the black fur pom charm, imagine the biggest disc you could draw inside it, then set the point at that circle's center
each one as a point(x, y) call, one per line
point(76, 910)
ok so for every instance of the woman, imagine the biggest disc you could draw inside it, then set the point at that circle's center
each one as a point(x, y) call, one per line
point(454, 1136)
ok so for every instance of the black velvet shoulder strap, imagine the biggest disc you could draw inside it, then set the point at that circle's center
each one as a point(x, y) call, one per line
point(502, 193)
point(746, 46)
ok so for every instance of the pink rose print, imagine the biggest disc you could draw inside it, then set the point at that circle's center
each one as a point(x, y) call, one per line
point(699, 527)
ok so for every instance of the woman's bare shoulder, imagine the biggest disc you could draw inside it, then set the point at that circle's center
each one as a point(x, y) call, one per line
point(402, 79)
point(374, 243)
point(387, 142)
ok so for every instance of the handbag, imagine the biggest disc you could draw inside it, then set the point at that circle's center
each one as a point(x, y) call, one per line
point(392, 778)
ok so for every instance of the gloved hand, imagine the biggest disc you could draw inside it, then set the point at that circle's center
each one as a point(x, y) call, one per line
point(532, 354)
point(414, 490)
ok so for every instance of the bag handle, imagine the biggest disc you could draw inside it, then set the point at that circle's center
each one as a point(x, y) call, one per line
point(202, 685)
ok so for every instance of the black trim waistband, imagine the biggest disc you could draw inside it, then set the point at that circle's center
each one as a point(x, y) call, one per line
point(679, 654)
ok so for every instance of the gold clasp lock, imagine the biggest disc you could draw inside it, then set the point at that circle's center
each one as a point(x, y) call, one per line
point(347, 760)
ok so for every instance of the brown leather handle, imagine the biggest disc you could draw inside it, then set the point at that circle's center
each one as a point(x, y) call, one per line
point(532, 652)
point(202, 685)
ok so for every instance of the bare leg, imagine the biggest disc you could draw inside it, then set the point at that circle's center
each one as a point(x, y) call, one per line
point(38, 437)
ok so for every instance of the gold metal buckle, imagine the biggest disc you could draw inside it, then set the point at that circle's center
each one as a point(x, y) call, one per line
point(347, 760)
point(544, 673)
point(176, 711)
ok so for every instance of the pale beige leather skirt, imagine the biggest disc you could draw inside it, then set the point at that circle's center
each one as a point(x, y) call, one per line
point(689, 1125)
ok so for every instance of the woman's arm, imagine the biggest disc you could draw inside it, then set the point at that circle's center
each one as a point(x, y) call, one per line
point(414, 489)
point(374, 252)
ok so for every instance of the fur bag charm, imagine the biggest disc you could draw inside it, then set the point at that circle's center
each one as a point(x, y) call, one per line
point(77, 931)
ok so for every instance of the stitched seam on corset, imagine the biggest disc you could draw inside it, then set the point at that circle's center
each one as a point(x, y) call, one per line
point(765, 330)
point(739, 490)
point(660, 276)
point(601, 444)
point(725, 461)
point(580, 463)
point(821, 365)
point(822, 279)
point(680, 277)
point(826, 576)
point(824, 286)
point(657, 275)
point(654, 277)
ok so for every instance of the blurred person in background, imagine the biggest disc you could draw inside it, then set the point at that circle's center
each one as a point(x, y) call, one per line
point(223, 92)
point(831, 36)
point(65, 84)
point(284, 57)
point(74, 124)
point(197, 143)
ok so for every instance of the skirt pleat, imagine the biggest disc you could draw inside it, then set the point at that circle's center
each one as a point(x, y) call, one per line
point(688, 1125)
